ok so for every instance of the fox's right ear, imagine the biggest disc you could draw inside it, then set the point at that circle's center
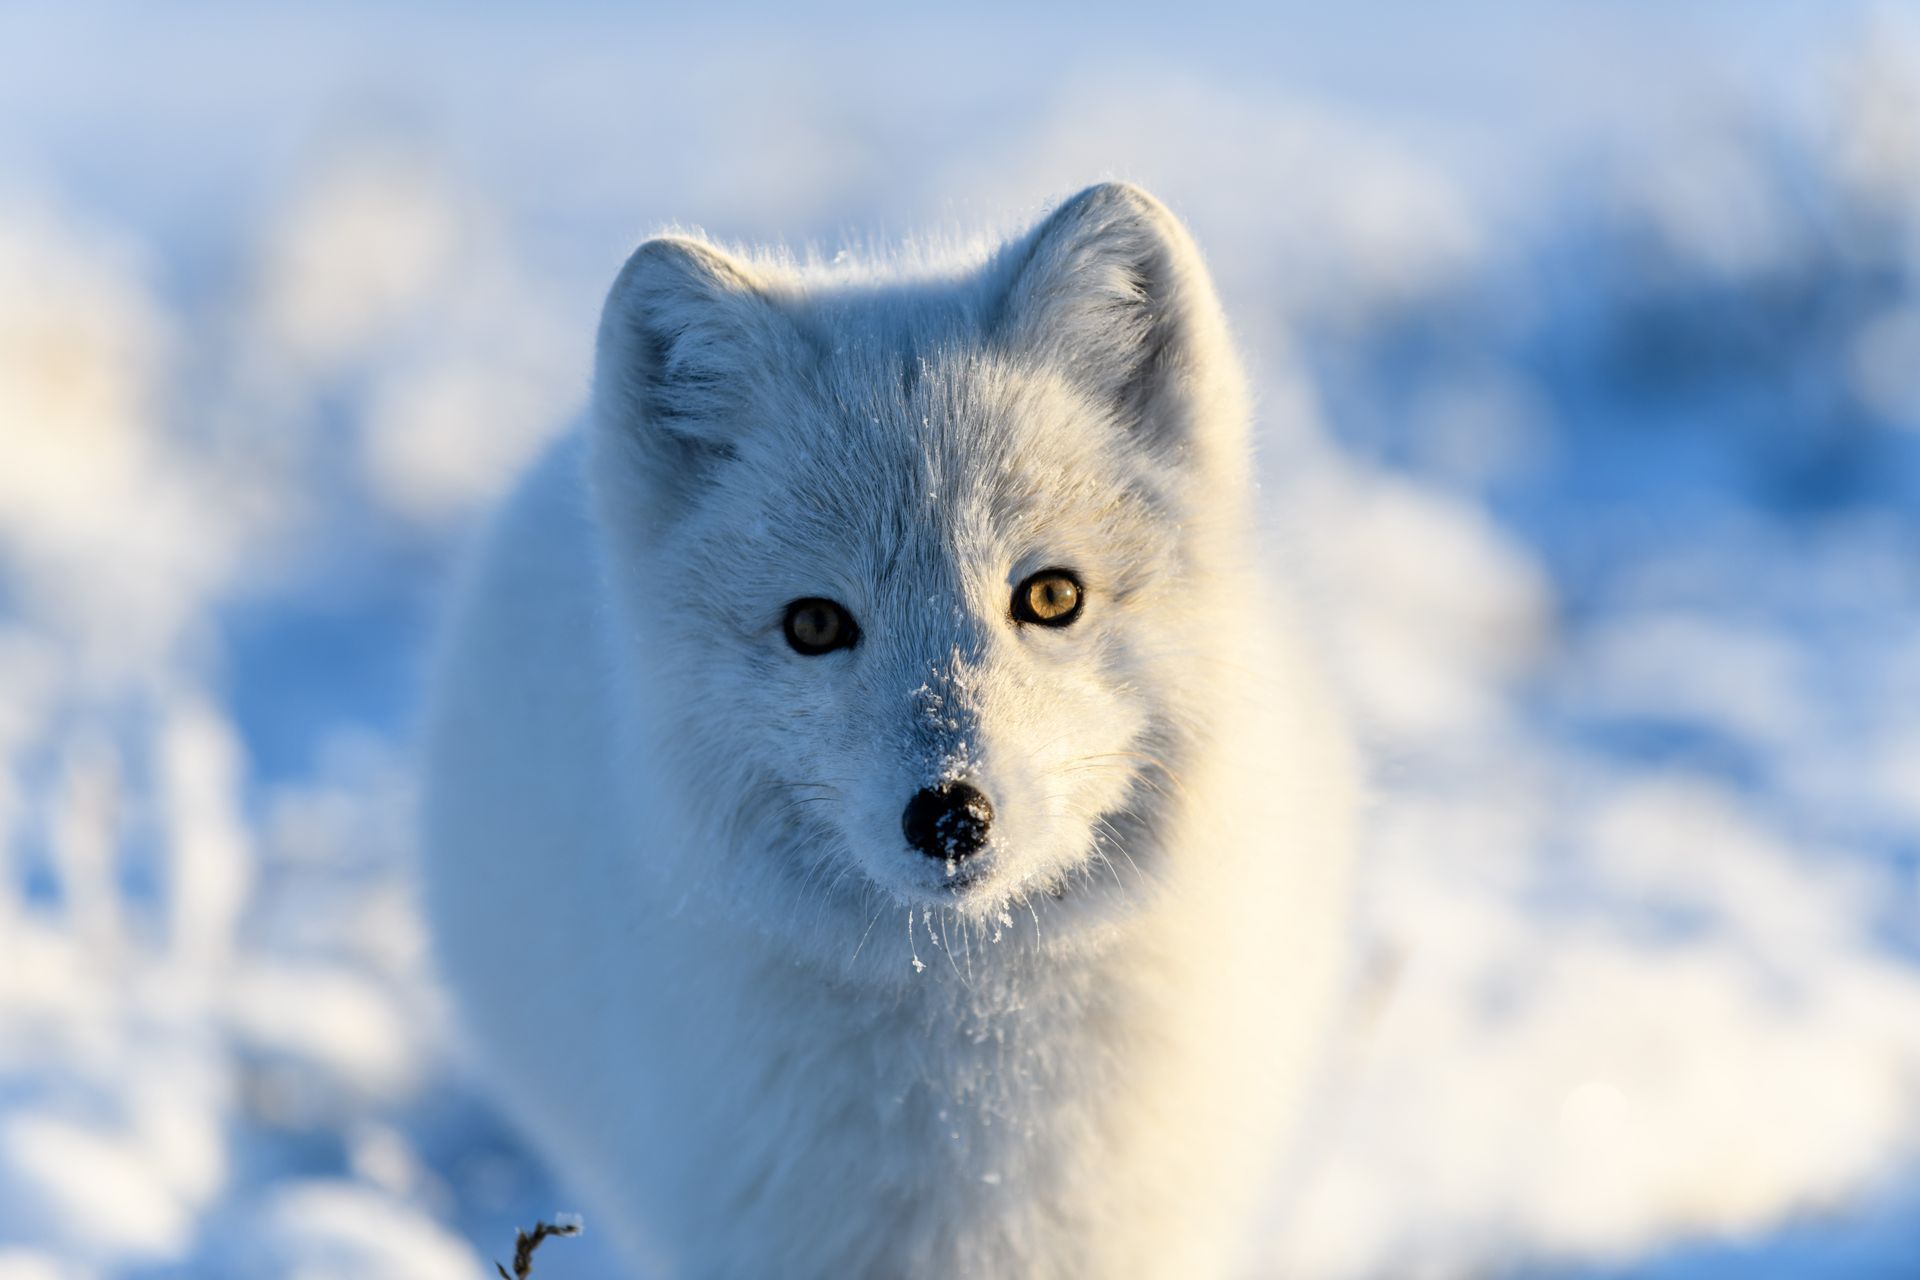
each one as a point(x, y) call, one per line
point(686, 336)
point(1111, 290)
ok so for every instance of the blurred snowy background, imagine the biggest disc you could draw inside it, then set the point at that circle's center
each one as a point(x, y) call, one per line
point(1588, 339)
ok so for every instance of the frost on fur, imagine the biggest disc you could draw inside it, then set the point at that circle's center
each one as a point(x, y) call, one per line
point(706, 823)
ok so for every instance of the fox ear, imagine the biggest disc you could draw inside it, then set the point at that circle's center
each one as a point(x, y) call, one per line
point(686, 336)
point(1111, 290)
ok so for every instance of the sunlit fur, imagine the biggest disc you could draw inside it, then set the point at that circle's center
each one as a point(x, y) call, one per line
point(762, 1035)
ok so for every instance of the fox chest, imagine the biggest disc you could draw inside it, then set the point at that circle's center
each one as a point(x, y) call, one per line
point(920, 1118)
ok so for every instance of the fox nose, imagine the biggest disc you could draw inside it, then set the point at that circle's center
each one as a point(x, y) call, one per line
point(948, 822)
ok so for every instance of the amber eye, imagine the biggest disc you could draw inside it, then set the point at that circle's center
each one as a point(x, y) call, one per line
point(814, 626)
point(1051, 598)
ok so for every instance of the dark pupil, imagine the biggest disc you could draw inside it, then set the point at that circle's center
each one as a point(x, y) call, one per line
point(1052, 597)
point(816, 626)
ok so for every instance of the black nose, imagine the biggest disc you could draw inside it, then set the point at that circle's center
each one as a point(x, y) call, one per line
point(948, 822)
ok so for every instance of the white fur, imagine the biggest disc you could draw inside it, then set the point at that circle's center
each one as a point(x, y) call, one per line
point(667, 875)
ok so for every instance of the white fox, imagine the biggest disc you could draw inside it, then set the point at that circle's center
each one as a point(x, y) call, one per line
point(878, 820)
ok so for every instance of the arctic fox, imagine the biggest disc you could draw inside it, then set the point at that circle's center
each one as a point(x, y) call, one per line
point(879, 820)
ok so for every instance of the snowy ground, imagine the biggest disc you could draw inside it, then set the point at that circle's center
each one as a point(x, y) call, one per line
point(1589, 348)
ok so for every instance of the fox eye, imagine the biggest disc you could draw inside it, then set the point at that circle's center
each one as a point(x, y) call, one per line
point(1050, 598)
point(814, 626)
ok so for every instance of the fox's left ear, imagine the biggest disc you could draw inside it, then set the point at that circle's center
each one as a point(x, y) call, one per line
point(689, 337)
point(1111, 290)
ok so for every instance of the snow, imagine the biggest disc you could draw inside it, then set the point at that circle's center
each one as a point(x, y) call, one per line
point(1591, 410)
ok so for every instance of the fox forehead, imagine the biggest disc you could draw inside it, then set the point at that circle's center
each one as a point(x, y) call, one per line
point(942, 466)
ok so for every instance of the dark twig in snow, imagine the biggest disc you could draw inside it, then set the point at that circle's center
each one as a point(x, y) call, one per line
point(524, 1244)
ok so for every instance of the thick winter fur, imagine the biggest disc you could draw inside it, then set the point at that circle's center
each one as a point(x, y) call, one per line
point(760, 1033)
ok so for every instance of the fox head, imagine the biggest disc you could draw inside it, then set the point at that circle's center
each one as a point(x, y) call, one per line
point(924, 578)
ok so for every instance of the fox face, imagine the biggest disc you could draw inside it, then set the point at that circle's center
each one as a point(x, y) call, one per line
point(922, 575)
